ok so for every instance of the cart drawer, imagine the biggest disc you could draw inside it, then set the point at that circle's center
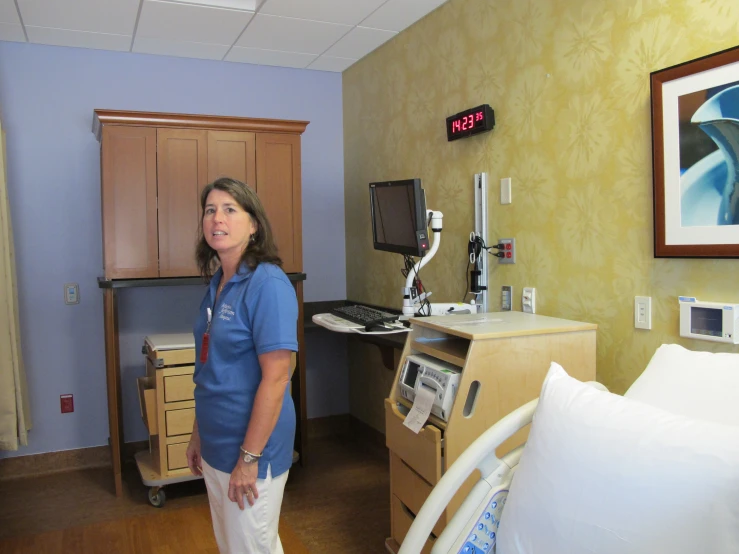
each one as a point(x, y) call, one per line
point(148, 403)
point(178, 388)
point(422, 451)
point(401, 520)
point(179, 422)
point(411, 490)
point(177, 455)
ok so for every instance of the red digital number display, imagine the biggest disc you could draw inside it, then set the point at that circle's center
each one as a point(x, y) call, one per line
point(467, 122)
point(470, 122)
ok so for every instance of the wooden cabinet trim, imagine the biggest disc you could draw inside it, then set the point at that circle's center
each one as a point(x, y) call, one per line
point(194, 121)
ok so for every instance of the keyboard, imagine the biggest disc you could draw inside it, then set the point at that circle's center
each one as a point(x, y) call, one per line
point(363, 315)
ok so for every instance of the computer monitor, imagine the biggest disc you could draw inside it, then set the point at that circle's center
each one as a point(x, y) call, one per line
point(398, 210)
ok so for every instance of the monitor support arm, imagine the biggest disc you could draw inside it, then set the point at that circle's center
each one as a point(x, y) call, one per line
point(411, 298)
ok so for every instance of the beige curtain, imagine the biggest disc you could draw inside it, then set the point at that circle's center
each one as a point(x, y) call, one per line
point(15, 419)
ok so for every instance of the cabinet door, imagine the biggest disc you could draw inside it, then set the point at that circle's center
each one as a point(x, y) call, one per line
point(232, 154)
point(278, 187)
point(182, 157)
point(129, 198)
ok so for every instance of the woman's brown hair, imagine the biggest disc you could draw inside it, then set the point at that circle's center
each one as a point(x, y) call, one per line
point(262, 246)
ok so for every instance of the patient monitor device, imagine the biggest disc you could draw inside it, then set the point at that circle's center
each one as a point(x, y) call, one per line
point(400, 224)
point(440, 377)
point(714, 321)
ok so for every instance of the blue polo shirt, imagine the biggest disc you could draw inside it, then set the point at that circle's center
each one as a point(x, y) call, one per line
point(256, 312)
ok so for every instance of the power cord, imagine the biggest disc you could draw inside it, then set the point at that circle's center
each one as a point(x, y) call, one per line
point(417, 283)
point(475, 247)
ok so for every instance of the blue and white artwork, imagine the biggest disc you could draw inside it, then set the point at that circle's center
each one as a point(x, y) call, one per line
point(709, 156)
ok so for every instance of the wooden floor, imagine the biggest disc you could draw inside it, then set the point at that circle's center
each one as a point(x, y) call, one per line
point(338, 503)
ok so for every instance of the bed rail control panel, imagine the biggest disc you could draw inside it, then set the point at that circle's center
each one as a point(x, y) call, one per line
point(483, 534)
point(714, 321)
point(419, 370)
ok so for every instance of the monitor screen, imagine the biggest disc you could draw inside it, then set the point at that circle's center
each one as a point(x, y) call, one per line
point(398, 210)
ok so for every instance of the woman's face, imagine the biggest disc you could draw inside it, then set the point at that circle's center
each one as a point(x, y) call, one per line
point(226, 226)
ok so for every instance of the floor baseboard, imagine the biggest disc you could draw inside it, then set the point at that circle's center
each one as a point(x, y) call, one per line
point(54, 462)
point(99, 456)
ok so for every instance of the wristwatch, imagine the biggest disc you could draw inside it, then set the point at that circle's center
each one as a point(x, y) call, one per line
point(248, 457)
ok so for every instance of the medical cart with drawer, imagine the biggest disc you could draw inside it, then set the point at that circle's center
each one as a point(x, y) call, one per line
point(166, 395)
point(477, 368)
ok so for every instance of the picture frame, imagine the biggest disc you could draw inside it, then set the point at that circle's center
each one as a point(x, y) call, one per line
point(695, 138)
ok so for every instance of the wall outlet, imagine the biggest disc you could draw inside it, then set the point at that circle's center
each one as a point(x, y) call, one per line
point(508, 250)
point(528, 300)
point(67, 402)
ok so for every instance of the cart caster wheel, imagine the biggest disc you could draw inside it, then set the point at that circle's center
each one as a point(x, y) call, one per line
point(157, 497)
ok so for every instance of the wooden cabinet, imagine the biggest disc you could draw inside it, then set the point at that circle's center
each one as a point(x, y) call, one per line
point(232, 154)
point(129, 197)
point(182, 172)
point(154, 167)
point(503, 361)
point(278, 187)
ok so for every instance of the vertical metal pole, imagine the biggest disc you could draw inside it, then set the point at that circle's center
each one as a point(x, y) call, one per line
point(481, 230)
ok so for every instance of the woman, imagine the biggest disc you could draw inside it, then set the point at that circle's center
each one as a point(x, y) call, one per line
point(242, 439)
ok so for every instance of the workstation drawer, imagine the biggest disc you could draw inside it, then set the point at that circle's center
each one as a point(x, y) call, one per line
point(179, 422)
point(401, 520)
point(411, 489)
point(177, 455)
point(422, 451)
point(178, 388)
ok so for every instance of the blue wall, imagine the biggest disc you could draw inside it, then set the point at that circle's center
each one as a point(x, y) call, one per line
point(47, 97)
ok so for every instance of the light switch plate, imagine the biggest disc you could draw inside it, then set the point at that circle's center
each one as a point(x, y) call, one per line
point(506, 298)
point(71, 293)
point(642, 312)
point(505, 190)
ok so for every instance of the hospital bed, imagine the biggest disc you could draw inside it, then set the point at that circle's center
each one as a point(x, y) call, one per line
point(654, 471)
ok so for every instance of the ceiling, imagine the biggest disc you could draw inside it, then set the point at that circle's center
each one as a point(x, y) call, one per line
point(326, 35)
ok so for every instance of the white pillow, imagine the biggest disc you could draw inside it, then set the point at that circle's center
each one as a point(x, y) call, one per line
point(703, 385)
point(604, 474)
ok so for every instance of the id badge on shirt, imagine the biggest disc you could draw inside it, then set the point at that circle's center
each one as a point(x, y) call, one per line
point(206, 340)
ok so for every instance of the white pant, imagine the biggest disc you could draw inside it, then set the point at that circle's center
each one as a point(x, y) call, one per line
point(253, 530)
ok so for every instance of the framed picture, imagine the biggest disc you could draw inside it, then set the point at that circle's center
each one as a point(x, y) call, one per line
point(695, 149)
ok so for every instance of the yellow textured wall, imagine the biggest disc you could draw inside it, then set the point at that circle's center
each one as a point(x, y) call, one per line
point(569, 83)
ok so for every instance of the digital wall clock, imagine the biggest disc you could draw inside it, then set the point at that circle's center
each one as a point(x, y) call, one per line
point(470, 122)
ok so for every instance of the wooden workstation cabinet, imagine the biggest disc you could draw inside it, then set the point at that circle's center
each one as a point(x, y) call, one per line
point(503, 358)
point(153, 169)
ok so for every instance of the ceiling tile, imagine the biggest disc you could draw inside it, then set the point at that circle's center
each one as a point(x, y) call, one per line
point(359, 42)
point(116, 17)
point(269, 57)
point(396, 15)
point(80, 39)
point(349, 12)
point(179, 48)
point(328, 63)
point(184, 22)
point(12, 32)
point(8, 13)
point(248, 5)
point(269, 32)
